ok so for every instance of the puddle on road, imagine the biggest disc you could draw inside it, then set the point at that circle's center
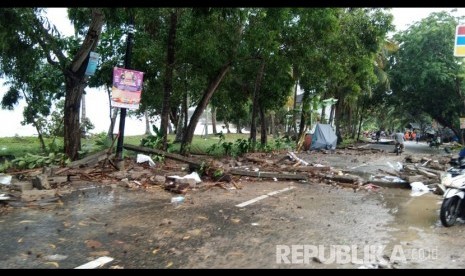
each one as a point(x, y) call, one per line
point(84, 216)
point(414, 219)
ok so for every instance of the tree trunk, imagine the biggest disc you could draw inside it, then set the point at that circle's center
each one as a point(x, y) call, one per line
point(238, 127)
point(113, 114)
point(273, 130)
point(41, 137)
point(168, 78)
point(323, 115)
point(112, 122)
point(75, 84)
point(305, 110)
point(182, 123)
point(294, 115)
point(83, 115)
point(83, 107)
point(214, 120)
point(256, 97)
point(338, 119)
point(226, 125)
point(179, 127)
point(213, 85)
point(174, 118)
point(263, 134)
point(147, 123)
point(331, 114)
point(72, 127)
point(361, 121)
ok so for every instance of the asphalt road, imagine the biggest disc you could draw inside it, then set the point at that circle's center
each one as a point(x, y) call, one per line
point(263, 225)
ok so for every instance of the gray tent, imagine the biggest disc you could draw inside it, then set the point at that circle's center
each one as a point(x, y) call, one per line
point(323, 137)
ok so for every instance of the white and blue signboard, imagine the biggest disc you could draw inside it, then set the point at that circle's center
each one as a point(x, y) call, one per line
point(92, 65)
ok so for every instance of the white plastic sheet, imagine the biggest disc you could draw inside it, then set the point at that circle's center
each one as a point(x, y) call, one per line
point(5, 179)
point(193, 175)
point(141, 158)
point(418, 189)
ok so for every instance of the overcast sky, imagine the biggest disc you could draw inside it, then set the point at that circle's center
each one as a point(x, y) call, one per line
point(97, 100)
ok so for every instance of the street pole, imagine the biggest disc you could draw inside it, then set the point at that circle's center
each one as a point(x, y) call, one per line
point(122, 119)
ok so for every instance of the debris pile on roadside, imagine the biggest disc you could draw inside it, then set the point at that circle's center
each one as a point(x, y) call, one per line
point(179, 174)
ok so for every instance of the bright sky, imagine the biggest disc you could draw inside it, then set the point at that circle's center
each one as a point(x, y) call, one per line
point(97, 100)
point(403, 17)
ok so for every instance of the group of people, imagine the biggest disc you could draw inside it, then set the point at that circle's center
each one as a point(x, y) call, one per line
point(411, 136)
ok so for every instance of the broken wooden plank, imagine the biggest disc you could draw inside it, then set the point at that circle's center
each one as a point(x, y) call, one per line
point(310, 169)
point(416, 178)
point(389, 184)
point(89, 160)
point(300, 161)
point(436, 172)
point(177, 157)
point(427, 174)
point(259, 160)
point(389, 173)
point(62, 170)
point(260, 174)
point(348, 185)
point(373, 150)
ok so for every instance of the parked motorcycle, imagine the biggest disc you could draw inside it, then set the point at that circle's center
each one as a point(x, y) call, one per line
point(453, 205)
point(435, 142)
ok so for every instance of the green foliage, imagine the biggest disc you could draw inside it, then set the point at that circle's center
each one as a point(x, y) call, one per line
point(228, 148)
point(284, 142)
point(102, 140)
point(31, 161)
point(153, 141)
point(426, 77)
point(53, 124)
point(95, 143)
point(242, 146)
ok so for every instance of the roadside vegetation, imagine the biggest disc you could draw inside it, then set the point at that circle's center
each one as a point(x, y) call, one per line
point(26, 152)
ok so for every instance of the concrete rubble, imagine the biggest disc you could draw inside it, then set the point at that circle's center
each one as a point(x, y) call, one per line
point(176, 173)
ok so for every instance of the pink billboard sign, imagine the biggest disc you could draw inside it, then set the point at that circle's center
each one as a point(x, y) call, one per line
point(127, 88)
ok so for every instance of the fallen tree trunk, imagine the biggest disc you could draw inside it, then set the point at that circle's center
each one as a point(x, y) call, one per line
point(268, 175)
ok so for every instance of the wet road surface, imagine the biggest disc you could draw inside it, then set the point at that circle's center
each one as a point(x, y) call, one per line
point(142, 229)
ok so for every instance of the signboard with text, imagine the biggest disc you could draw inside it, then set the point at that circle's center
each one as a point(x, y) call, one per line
point(127, 88)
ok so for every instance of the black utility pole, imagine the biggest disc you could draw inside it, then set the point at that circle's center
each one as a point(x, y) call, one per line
point(122, 119)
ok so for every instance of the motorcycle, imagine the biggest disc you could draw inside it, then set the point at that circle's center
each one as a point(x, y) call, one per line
point(435, 142)
point(398, 149)
point(453, 205)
